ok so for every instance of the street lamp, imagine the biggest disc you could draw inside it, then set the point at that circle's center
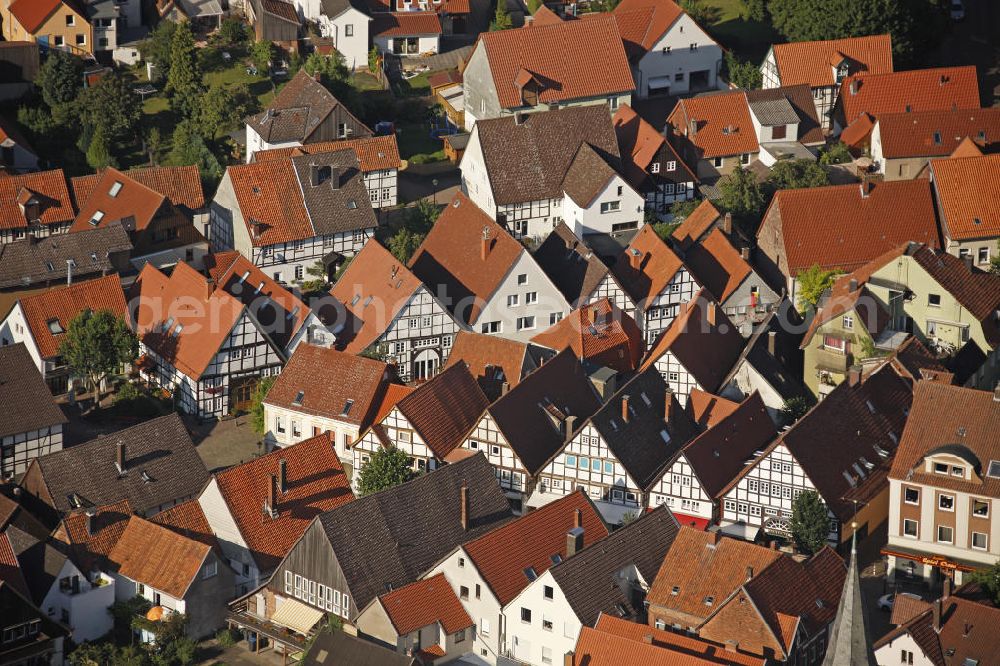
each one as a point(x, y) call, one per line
point(434, 185)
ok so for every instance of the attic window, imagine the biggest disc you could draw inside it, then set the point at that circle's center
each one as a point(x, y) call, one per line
point(357, 297)
point(116, 187)
point(146, 478)
point(556, 558)
point(530, 573)
point(298, 398)
point(994, 469)
point(665, 436)
point(871, 407)
point(96, 218)
point(981, 136)
point(49, 266)
point(168, 324)
point(347, 407)
point(977, 221)
point(93, 256)
point(368, 301)
point(75, 501)
point(243, 278)
point(709, 600)
point(352, 204)
point(937, 138)
point(645, 399)
point(819, 603)
point(55, 327)
point(676, 590)
point(295, 311)
point(177, 329)
point(260, 287)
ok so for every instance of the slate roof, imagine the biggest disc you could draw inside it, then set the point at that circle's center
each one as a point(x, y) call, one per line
point(374, 153)
point(781, 372)
point(40, 559)
point(556, 56)
point(158, 557)
point(296, 112)
point(533, 415)
point(47, 187)
point(967, 627)
point(814, 62)
point(532, 541)
point(26, 403)
point(936, 89)
point(532, 161)
point(338, 205)
point(935, 133)
point(444, 409)
point(968, 196)
point(589, 579)
point(646, 267)
point(60, 305)
point(797, 102)
point(425, 603)
point(316, 483)
point(598, 333)
point(321, 381)
point(717, 124)
point(381, 540)
point(844, 226)
point(161, 447)
point(572, 266)
point(26, 262)
point(588, 175)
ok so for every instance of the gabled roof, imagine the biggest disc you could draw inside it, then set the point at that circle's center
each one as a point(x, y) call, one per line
point(406, 24)
point(40, 559)
point(331, 384)
point(590, 579)
point(188, 519)
point(47, 188)
point(968, 196)
point(451, 259)
point(707, 410)
point(180, 185)
point(717, 124)
point(530, 161)
point(10, 569)
point(871, 315)
point(780, 367)
point(155, 556)
point(844, 226)
point(720, 453)
point(937, 89)
point(374, 288)
point(31, 14)
point(444, 409)
point(557, 56)
point(646, 267)
point(643, 22)
point(574, 268)
point(276, 308)
point(267, 193)
point(814, 62)
point(34, 260)
point(117, 198)
point(160, 447)
point(295, 113)
point(507, 556)
point(48, 313)
point(424, 603)
point(697, 224)
point(26, 403)
point(91, 537)
point(315, 483)
point(913, 358)
point(374, 152)
point(640, 143)
point(797, 102)
point(534, 416)
point(717, 265)
point(171, 314)
point(588, 175)
point(390, 538)
point(352, 650)
point(281, 9)
point(495, 361)
point(599, 333)
point(935, 133)
point(702, 339)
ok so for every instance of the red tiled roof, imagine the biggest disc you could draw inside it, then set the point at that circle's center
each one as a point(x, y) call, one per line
point(59, 306)
point(967, 634)
point(487, 354)
point(31, 14)
point(813, 62)
point(722, 123)
point(839, 227)
point(316, 483)
point(690, 647)
point(375, 153)
point(393, 394)
point(131, 201)
point(859, 131)
point(870, 314)
point(600, 333)
point(90, 548)
point(262, 192)
point(157, 557)
point(935, 133)
point(717, 265)
point(707, 409)
point(646, 266)
point(968, 196)
point(696, 224)
point(188, 519)
point(404, 24)
point(640, 143)
point(502, 555)
point(424, 603)
point(49, 187)
point(643, 22)
point(281, 9)
point(938, 89)
point(545, 16)
point(558, 56)
point(10, 567)
point(445, 409)
point(967, 148)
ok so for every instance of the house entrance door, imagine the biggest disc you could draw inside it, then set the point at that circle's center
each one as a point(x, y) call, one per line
point(240, 392)
point(426, 364)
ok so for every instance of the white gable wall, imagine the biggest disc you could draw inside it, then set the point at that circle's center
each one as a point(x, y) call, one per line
point(478, 600)
point(680, 60)
point(617, 207)
point(548, 307)
point(526, 640)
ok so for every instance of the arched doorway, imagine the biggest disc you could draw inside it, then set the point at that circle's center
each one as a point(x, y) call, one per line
point(425, 364)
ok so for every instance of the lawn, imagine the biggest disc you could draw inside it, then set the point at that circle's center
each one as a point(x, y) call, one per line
point(363, 81)
point(415, 141)
point(748, 39)
point(418, 86)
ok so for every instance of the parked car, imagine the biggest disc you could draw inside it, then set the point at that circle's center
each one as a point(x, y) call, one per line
point(957, 10)
point(886, 602)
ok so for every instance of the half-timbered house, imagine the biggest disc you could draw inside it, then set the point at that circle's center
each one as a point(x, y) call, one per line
point(577, 271)
point(36, 205)
point(497, 364)
point(31, 423)
point(198, 342)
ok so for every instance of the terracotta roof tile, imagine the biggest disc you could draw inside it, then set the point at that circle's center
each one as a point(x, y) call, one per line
point(31, 14)
point(646, 266)
point(262, 192)
point(404, 24)
point(48, 187)
point(695, 225)
point(49, 311)
point(839, 227)
point(556, 55)
point(445, 409)
point(374, 152)
point(643, 22)
point(967, 633)
point(393, 394)
point(545, 16)
point(90, 547)
point(938, 89)
point(297, 111)
point(717, 265)
point(155, 556)
point(968, 194)
point(316, 483)
point(640, 143)
point(451, 257)
point(281, 9)
point(116, 197)
point(717, 124)
point(503, 556)
point(491, 359)
point(10, 568)
point(188, 519)
point(598, 333)
point(859, 131)
point(322, 381)
point(915, 359)
point(811, 62)
point(707, 410)
point(680, 646)
point(425, 603)
point(935, 133)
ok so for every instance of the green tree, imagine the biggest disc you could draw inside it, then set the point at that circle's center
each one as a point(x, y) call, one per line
point(154, 144)
point(316, 285)
point(222, 108)
point(112, 107)
point(98, 152)
point(233, 31)
point(97, 344)
point(797, 174)
point(60, 78)
point(838, 153)
point(420, 218)
point(812, 283)
point(681, 209)
point(184, 79)
point(404, 243)
point(702, 13)
point(373, 60)
point(743, 73)
point(263, 53)
point(501, 19)
point(387, 468)
point(794, 409)
point(989, 581)
point(810, 524)
point(665, 229)
point(330, 69)
point(156, 49)
point(190, 148)
point(756, 10)
point(257, 421)
point(742, 196)
point(995, 261)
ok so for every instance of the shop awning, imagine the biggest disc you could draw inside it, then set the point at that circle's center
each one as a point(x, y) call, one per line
point(739, 530)
point(297, 616)
point(696, 522)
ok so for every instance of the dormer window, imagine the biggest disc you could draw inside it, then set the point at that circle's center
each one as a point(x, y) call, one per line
point(957, 471)
point(347, 408)
point(55, 327)
point(940, 468)
point(116, 187)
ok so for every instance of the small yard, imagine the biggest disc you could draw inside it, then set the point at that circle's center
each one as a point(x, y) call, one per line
point(417, 145)
point(417, 86)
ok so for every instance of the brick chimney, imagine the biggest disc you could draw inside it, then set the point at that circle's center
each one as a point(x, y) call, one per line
point(727, 223)
point(854, 375)
point(485, 244)
point(283, 476)
point(772, 343)
point(120, 460)
point(574, 541)
point(668, 404)
point(568, 659)
point(937, 615)
point(946, 588)
point(577, 518)
point(852, 285)
point(89, 522)
point(625, 414)
point(745, 253)
point(465, 506)
point(634, 258)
